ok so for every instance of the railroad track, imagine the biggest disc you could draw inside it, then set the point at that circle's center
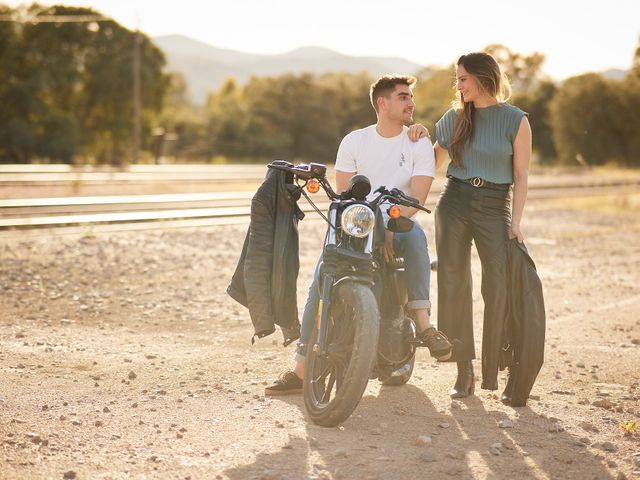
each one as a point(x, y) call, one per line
point(192, 209)
point(145, 208)
point(223, 205)
point(66, 174)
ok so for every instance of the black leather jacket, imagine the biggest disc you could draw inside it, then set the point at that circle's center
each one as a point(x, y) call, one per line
point(524, 333)
point(265, 277)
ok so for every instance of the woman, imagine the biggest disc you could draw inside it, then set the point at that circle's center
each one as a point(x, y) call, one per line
point(489, 143)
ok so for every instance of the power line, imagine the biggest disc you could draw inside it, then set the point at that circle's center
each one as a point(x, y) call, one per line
point(55, 19)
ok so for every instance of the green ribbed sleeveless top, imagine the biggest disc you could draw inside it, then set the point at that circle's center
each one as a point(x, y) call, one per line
point(489, 153)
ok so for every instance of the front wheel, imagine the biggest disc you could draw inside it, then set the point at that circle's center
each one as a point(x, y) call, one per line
point(334, 383)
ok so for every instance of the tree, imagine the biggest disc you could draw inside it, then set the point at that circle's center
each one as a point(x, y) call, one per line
point(54, 68)
point(627, 120)
point(226, 127)
point(635, 65)
point(297, 117)
point(524, 71)
point(583, 114)
point(66, 88)
point(434, 92)
point(107, 100)
point(292, 116)
point(536, 104)
point(182, 127)
point(349, 94)
point(17, 101)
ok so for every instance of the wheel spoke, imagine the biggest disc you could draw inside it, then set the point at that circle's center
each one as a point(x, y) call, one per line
point(326, 370)
point(329, 370)
point(327, 392)
point(331, 375)
point(318, 383)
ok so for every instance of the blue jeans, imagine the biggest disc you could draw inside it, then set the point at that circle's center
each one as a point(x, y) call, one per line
point(412, 246)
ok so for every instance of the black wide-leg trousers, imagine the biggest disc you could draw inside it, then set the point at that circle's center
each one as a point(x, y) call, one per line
point(465, 213)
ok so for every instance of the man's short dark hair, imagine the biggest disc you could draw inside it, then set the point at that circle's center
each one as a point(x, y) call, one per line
point(386, 84)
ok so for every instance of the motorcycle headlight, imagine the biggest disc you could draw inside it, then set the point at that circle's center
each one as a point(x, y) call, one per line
point(357, 220)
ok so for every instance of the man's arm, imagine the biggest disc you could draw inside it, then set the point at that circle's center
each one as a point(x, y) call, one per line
point(420, 186)
point(346, 166)
point(422, 176)
point(342, 180)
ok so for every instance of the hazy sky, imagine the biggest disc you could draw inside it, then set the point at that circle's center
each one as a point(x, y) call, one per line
point(576, 36)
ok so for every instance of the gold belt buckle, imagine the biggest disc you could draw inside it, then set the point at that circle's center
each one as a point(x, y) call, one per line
point(477, 182)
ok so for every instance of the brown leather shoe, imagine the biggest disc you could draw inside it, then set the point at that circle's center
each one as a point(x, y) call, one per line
point(437, 343)
point(287, 384)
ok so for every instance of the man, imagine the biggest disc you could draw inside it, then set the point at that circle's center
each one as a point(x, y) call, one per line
point(387, 156)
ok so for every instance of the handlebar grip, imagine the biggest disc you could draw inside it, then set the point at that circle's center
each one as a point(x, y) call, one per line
point(303, 171)
point(415, 205)
point(300, 173)
point(304, 174)
point(275, 166)
point(399, 193)
point(411, 199)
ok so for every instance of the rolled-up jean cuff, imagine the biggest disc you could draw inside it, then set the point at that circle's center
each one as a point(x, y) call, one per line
point(299, 358)
point(418, 304)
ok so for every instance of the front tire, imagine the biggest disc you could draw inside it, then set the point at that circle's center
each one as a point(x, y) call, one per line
point(334, 384)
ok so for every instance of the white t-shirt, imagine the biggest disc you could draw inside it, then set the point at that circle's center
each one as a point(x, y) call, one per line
point(385, 161)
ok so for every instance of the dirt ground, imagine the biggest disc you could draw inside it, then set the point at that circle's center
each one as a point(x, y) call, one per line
point(121, 356)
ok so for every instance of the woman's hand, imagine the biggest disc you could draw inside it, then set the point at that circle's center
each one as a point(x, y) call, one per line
point(418, 131)
point(515, 232)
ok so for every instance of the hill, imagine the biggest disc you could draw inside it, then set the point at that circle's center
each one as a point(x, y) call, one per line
point(205, 67)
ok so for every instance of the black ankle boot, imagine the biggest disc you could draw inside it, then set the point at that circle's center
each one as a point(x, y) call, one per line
point(507, 395)
point(465, 383)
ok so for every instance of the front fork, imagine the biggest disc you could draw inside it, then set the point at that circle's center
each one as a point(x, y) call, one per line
point(331, 258)
point(325, 295)
point(323, 313)
point(328, 276)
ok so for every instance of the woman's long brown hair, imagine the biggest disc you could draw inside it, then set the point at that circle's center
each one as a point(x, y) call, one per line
point(494, 82)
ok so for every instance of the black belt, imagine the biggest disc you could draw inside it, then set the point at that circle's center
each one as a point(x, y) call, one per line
point(480, 182)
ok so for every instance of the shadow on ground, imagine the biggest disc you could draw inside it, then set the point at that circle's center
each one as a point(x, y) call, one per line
point(466, 443)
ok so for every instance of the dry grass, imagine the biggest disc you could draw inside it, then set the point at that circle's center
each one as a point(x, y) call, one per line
point(601, 203)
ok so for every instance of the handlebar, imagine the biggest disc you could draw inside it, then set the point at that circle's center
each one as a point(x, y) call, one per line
point(401, 194)
point(398, 197)
point(303, 171)
point(318, 172)
point(307, 172)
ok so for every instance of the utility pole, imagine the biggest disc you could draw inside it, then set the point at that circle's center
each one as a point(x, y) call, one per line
point(136, 96)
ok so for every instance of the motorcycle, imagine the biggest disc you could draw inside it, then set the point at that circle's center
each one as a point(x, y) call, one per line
point(362, 329)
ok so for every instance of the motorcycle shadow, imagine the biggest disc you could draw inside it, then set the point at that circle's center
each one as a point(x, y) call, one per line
point(398, 432)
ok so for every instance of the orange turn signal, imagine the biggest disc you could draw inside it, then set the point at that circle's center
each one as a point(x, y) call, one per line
point(313, 186)
point(394, 211)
